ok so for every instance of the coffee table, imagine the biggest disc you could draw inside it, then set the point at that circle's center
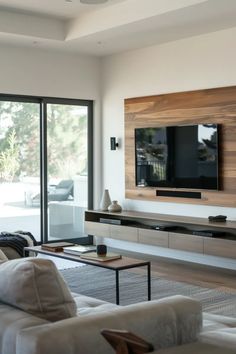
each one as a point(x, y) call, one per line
point(116, 265)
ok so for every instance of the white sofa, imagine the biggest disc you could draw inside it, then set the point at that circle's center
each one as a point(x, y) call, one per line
point(39, 315)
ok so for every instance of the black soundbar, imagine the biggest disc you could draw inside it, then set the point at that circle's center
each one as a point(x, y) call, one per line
point(178, 194)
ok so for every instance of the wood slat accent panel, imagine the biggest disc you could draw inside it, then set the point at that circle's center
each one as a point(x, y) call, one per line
point(153, 237)
point(221, 248)
point(193, 107)
point(186, 242)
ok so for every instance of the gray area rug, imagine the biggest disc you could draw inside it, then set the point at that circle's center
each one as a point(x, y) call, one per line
point(100, 283)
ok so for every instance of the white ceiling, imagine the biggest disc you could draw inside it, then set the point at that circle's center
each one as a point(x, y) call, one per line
point(112, 27)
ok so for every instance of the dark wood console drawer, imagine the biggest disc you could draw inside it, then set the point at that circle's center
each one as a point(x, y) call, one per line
point(153, 237)
point(185, 242)
point(219, 247)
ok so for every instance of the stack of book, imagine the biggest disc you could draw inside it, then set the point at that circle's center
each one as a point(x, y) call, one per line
point(78, 249)
point(93, 256)
point(56, 246)
point(90, 253)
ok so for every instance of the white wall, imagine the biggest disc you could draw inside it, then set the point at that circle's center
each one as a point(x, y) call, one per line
point(195, 63)
point(31, 71)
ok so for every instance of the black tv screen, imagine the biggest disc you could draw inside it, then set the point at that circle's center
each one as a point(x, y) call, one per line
point(177, 156)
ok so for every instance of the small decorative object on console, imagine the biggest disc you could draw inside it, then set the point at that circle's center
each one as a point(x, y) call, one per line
point(114, 207)
point(106, 200)
point(217, 218)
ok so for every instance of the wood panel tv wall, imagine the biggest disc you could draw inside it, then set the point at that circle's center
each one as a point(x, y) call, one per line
point(194, 107)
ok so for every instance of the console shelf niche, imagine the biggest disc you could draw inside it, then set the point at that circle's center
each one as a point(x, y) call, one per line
point(175, 232)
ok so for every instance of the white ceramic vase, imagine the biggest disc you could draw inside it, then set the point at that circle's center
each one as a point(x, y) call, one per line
point(105, 201)
point(114, 207)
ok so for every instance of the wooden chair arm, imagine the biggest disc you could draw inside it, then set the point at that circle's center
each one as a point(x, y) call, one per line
point(125, 342)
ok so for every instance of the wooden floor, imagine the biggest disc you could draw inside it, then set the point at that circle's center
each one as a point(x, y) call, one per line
point(204, 276)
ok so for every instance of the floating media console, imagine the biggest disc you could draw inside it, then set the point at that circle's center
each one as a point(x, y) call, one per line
point(178, 194)
point(191, 234)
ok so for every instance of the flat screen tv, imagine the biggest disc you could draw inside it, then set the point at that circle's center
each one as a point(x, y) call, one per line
point(177, 156)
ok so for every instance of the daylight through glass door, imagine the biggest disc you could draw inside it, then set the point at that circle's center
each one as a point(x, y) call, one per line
point(46, 166)
point(67, 170)
point(20, 167)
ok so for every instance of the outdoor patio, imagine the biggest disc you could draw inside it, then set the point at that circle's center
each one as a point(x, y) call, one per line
point(16, 213)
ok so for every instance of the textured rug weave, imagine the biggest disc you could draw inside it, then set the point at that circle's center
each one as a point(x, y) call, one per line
point(100, 283)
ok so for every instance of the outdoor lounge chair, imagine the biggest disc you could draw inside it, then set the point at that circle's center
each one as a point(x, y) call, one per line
point(61, 192)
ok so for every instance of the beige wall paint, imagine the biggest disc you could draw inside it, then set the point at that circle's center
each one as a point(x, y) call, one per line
point(199, 62)
point(25, 71)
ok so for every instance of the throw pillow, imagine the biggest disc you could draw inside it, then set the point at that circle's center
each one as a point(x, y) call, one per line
point(35, 286)
point(3, 257)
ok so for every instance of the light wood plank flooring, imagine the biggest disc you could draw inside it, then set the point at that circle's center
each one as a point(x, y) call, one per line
point(201, 275)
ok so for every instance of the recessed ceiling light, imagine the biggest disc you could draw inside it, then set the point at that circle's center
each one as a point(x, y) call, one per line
point(93, 2)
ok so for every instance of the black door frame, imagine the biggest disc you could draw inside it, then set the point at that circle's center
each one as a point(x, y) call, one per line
point(43, 101)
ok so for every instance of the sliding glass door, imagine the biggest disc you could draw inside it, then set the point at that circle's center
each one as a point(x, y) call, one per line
point(45, 166)
point(19, 166)
point(67, 169)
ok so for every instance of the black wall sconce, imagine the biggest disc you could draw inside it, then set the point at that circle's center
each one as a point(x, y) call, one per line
point(114, 143)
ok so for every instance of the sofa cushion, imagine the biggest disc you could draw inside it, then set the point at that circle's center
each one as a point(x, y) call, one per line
point(34, 285)
point(156, 321)
point(12, 322)
point(10, 253)
point(219, 321)
point(195, 348)
point(3, 257)
point(87, 305)
point(225, 338)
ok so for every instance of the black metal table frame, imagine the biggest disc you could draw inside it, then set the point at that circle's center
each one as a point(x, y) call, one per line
point(148, 265)
point(101, 265)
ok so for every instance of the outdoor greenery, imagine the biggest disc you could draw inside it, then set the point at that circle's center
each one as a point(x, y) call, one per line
point(20, 140)
point(9, 159)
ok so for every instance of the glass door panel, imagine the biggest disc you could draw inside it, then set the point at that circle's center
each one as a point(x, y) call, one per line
point(20, 167)
point(67, 170)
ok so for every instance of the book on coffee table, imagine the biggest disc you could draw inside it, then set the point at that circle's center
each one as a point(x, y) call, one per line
point(78, 249)
point(94, 257)
point(55, 246)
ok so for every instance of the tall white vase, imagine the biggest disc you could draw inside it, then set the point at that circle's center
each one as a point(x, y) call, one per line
point(106, 200)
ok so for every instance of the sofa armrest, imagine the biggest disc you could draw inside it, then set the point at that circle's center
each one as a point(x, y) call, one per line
point(160, 322)
point(12, 322)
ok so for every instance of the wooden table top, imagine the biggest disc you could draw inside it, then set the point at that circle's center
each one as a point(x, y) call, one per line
point(117, 264)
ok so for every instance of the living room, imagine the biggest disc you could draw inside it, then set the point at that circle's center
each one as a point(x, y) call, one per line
point(199, 55)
